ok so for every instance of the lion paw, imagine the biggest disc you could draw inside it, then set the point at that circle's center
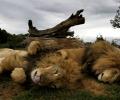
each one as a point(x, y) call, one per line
point(18, 75)
point(34, 47)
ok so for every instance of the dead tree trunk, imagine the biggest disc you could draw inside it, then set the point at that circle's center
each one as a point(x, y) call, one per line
point(60, 30)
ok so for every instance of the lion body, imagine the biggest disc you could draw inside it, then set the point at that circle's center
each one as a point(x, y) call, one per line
point(65, 67)
point(100, 57)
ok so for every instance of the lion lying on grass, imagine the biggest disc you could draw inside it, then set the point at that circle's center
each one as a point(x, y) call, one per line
point(65, 67)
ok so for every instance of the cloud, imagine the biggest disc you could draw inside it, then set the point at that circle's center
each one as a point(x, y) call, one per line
point(14, 14)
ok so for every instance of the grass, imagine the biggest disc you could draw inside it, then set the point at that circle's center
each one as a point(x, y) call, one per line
point(37, 93)
point(61, 94)
point(13, 91)
point(54, 94)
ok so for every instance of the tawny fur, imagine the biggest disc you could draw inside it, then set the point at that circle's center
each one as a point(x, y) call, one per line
point(34, 47)
point(15, 61)
point(12, 61)
point(103, 57)
point(69, 63)
point(70, 66)
point(106, 61)
point(18, 75)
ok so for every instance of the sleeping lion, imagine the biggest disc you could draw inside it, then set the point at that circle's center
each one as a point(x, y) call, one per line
point(65, 67)
point(68, 67)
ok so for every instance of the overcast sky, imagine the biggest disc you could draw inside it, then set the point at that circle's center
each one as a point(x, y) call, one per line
point(14, 15)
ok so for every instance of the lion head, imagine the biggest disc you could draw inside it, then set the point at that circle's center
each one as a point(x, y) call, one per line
point(48, 76)
point(49, 71)
point(57, 70)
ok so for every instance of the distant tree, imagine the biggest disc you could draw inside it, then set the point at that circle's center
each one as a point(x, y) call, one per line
point(4, 36)
point(116, 21)
point(11, 40)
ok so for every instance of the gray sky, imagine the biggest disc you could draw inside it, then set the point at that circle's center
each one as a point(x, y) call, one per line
point(14, 15)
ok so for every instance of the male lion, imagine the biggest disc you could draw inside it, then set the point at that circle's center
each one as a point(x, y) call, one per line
point(20, 61)
point(66, 67)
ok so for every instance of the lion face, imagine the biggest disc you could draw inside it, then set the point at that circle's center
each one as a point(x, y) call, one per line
point(49, 71)
point(47, 76)
point(109, 75)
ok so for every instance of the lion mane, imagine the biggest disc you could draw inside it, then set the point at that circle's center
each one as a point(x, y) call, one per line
point(68, 68)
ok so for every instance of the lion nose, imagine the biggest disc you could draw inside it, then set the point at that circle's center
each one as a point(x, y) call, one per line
point(36, 77)
point(39, 78)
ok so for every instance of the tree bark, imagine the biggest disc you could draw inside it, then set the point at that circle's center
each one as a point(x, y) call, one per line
point(59, 31)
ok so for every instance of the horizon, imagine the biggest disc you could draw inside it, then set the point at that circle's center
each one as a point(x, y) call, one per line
point(45, 14)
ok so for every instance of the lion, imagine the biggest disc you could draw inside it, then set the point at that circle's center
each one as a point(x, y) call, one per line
point(64, 67)
point(17, 61)
point(57, 70)
point(67, 67)
point(21, 61)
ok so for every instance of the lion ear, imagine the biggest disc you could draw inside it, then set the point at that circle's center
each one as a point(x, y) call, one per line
point(63, 53)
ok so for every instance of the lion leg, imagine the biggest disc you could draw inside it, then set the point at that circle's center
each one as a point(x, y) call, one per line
point(12, 61)
point(34, 47)
point(18, 75)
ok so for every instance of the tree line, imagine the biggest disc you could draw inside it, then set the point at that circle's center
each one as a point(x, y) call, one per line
point(11, 40)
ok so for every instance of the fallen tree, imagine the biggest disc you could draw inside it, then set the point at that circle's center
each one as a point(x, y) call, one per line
point(59, 31)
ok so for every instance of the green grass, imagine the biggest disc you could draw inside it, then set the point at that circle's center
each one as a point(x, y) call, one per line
point(30, 92)
point(37, 93)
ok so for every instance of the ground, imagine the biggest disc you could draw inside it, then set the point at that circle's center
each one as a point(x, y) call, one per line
point(12, 91)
